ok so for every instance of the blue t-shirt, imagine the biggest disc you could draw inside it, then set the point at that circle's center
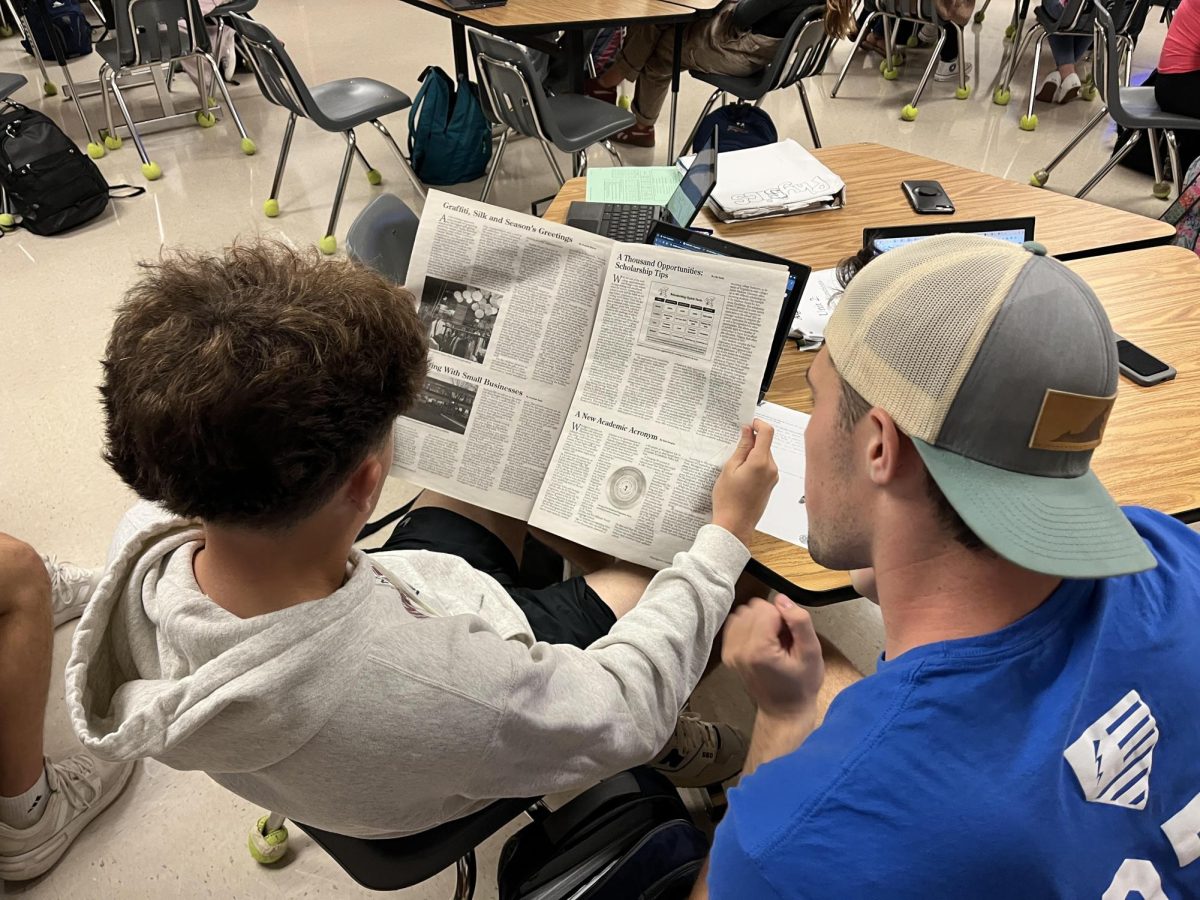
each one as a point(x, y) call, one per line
point(1057, 757)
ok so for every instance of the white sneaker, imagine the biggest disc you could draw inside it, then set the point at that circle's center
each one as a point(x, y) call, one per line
point(701, 753)
point(1069, 89)
point(81, 786)
point(71, 587)
point(1049, 89)
point(948, 71)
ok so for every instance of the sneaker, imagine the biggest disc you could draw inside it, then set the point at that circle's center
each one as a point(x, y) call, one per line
point(81, 786)
point(701, 753)
point(1069, 89)
point(1049, 89)
point(948, 71)
point(71, 587)
point(636, 136)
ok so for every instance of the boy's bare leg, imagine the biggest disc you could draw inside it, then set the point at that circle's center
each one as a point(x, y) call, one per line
point(26, 648)
point(620, 585)
point(511, 531)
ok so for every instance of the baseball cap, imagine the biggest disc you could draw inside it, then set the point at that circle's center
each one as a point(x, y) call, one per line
point(999, 362)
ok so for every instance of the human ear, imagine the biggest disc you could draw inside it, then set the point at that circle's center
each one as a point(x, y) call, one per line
point(363, 484)
point(883, 446)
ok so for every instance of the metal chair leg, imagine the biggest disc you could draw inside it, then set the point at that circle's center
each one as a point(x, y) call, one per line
point(1155, 156)
point(1021, 47)
point(579, 163)
point(1173, 155)
point(933, 61)
point(1033, 85)
point(130, 123)
point(494, 167)
point(1129, 144)
point(853, 50)
point(247, 144)
point(612, 152)
point(712, 98)
point(107, 95)
point(464, 889)
point(553, 163)
point(808, 114)
point(328, 243)
point(404, 163)
point(49, 89)
point(271, 207)
point(1075, 142)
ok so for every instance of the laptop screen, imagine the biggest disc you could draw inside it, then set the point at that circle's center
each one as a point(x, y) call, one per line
point(1015, 231)
point(695, 186)
point(666, 235)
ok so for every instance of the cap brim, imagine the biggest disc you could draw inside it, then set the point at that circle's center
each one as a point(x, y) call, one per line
point(1069, 527)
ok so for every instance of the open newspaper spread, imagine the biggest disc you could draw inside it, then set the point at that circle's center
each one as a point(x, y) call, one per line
point(589, 387)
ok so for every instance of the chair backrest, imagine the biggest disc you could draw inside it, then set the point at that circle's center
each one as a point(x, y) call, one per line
point(1108, 59)
point(149, 31)
point(277, 76)
point(513, 90)
point(808, 47)
point(382, 236)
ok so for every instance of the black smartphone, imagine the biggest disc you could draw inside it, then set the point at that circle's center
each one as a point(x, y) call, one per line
point(1140, 367)
point(927, 197)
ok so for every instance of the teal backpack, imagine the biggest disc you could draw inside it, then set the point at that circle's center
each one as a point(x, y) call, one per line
point(449, 138)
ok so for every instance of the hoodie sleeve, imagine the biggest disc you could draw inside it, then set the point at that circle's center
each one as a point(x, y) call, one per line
point(573, 715)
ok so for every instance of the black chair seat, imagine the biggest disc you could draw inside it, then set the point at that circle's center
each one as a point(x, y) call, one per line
point(582, 121)
point(744, 87)
point(390, 864)
point(349, 102)
point(10, 83)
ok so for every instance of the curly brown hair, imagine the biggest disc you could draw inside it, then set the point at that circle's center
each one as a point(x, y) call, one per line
point(244, 387)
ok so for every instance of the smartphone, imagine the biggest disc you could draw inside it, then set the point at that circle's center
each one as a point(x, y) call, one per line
point(1140, 367)
point(927, 197)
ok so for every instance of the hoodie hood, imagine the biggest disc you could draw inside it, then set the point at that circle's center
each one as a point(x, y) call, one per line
point(158, 669)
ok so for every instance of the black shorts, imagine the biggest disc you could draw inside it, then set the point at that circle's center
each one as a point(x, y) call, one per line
point(568, 612)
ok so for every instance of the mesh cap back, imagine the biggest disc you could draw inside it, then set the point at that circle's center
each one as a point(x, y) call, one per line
point(909, 326)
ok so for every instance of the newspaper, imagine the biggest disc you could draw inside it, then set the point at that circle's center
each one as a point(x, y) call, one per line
point(589, 387)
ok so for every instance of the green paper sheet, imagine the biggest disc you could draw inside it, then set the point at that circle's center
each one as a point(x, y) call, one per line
point(652, 185)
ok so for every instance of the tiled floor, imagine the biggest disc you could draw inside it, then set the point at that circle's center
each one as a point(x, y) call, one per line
point(177, 834)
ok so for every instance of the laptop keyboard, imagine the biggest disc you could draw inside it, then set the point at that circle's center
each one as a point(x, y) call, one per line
point(627, 221)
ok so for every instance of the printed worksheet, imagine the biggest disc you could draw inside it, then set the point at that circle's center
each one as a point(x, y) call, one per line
point(786, 517)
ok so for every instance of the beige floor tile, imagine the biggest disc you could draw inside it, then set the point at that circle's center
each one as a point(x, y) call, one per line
point(178, 834)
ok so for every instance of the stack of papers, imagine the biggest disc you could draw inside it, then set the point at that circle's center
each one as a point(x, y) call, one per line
point(651, 185)
point(780, 179)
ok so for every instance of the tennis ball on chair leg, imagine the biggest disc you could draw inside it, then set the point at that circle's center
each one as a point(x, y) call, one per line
point(94, 150)
point(374, 177)
point(328, 245)
point(1001, 96)
point(1039, 178)
point(112, 142)
point(909, 113)
point(271, 208)
point(1029, 123)
point(8, 220)
point(152, 171)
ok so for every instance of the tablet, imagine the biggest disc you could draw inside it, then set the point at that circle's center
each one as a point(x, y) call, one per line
point(664, 234)
point(882, 239)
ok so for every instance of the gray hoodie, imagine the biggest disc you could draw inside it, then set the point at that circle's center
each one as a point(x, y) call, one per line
point(374, 712)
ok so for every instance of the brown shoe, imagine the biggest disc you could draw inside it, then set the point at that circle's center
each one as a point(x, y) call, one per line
point(593, 88)
point(637, 136)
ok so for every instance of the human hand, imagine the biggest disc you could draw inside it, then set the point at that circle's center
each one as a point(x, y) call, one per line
point(773, 647)
point(741, 492)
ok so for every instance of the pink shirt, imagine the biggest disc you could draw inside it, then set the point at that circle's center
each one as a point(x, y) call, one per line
point(1181, 49)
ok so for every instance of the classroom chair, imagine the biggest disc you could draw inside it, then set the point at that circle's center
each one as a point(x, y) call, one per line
point(28, 11)
point(149, 35)
point(918, 12)
point(382, 235)
point(336, 106)
point(1130, 107)
point(571, 122)
point(391, 864)
point(1077, 20)
point(801, 54)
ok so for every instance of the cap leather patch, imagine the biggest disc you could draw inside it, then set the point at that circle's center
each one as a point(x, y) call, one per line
point(1071, 421)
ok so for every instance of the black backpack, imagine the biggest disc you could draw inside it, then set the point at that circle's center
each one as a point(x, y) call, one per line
point(52, 186)
point(738, 126)
point(69, 25)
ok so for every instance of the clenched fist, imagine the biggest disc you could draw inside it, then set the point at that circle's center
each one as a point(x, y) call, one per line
point(773, 647)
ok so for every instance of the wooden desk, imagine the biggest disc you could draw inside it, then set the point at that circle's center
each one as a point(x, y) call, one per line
point(1067, 226)
point(1152, 296)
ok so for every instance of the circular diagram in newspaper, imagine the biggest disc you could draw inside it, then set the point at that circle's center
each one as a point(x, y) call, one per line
point(626, 486)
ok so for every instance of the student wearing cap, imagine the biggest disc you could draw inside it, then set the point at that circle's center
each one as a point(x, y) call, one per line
point(1033, 729)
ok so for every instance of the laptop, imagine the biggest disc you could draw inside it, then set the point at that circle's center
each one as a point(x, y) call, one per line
point(632, 221)
point(664, 234)
point(1016, 230)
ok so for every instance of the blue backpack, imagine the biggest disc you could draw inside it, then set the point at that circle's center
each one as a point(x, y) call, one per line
point(449, 137)
point(66, 20)
point(739, 126)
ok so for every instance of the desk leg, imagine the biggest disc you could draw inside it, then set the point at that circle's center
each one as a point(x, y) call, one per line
point(458, 38)
point(573, 46)
point(675, 69)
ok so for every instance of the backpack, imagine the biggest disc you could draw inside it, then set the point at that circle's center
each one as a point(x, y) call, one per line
point(628, 838)
point(51, 184)
point(449, 138)
point(738, 125)
point(68, 23)
point(1184, 213)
